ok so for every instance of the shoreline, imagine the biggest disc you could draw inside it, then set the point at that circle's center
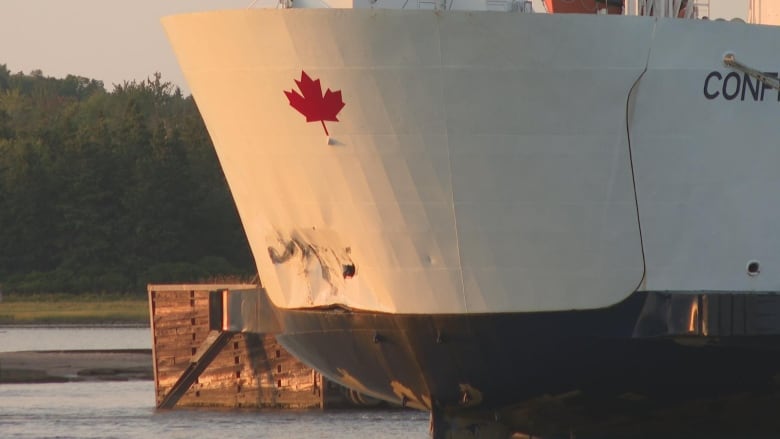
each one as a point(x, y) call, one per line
point(75, 309)
point(53, 366)
point(6, 325)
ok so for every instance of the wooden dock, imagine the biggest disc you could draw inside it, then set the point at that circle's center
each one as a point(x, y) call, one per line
point(197, 367)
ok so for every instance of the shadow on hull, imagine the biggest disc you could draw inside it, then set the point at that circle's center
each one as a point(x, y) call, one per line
point(656, 365)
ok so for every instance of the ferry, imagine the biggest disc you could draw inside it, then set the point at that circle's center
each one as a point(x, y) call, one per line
point(557, 223)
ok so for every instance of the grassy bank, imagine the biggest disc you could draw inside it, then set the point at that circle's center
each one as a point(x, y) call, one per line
point(73, 309)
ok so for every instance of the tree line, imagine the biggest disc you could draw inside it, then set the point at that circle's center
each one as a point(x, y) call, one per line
point(106, 191)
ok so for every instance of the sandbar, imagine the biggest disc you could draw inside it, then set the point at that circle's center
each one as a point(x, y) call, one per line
point(66, 366)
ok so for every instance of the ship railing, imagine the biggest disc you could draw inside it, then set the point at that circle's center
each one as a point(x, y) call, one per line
point(702, 8)
point(662, 8)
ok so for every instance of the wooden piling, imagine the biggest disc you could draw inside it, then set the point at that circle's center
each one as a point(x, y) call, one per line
point(249, 370)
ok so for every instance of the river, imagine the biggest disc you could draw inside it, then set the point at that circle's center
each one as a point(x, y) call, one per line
point(126, 409)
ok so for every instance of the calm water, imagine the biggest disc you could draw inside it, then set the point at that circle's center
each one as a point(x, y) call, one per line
point(65, 338)
point(126, 409)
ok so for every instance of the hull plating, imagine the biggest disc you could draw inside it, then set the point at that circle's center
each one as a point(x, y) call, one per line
point(655, 365)
point(497, 194)
point(487, 162)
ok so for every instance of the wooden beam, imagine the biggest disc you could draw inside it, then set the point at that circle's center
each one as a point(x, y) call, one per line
point(205, 354)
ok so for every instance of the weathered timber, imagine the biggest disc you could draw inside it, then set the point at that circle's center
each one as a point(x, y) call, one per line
point(206, 353)
point(196, 367)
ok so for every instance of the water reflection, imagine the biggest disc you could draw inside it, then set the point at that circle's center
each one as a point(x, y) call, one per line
point(126, 409)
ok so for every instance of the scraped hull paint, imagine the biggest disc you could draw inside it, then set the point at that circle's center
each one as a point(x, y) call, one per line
point(655, 365)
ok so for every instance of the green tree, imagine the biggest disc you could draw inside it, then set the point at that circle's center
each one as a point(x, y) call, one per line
point(107, 191)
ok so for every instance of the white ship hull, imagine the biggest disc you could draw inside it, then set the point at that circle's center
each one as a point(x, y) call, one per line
point(527, 217)
point(482, 162)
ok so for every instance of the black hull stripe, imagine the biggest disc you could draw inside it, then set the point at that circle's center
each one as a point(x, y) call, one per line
point(613, 371)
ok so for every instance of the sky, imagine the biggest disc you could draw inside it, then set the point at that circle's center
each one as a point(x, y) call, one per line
point(116, 41)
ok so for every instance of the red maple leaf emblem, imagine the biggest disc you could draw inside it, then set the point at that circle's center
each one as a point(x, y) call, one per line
point(313, 104)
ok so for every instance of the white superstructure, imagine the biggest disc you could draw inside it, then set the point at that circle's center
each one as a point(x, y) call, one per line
point(764, 12)
point(492, 162)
